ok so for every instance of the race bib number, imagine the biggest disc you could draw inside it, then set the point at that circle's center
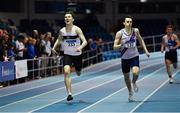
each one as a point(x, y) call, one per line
point(70, 43)
point(130, 45)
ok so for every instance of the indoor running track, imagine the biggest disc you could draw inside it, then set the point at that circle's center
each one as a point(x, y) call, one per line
point(99, 89)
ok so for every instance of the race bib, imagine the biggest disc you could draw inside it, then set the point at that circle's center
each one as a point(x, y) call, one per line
point(70, 43)
point(130, 45)
point(70, 46)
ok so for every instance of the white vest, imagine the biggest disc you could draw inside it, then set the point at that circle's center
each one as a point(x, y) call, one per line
point(71, 41)
point(128, 42)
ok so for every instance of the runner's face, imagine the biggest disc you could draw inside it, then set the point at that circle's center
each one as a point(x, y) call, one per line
point(68, 19)
point(128, 22)
point(169, 30)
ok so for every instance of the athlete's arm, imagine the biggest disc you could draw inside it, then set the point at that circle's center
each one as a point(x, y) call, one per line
point(82, 37)
point(117, 41)
point(177, 42)
point(162, 45)
point(141, 41)
point(57, 43)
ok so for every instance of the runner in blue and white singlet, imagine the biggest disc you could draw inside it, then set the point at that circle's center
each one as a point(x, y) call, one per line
point(125, 41)
point(170, 43)
point(129, 47)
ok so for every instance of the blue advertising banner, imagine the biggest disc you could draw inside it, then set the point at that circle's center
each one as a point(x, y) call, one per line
point(7, 71)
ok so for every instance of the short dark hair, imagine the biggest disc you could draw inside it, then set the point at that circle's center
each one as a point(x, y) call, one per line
point(169, 26)
point(21, 36)
point(127, 16)
point(69, 12)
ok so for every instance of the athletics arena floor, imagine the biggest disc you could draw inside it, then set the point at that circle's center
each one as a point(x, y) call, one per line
point(100, 89)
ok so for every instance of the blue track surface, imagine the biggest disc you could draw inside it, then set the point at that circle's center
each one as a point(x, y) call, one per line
point(100, 89)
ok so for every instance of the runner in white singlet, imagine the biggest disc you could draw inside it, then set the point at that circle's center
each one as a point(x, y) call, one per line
point(73, 41)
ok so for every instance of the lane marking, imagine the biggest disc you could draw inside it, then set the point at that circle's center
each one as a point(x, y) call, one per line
point(62, 80)
point(145, 99)
point(119, 91)
point(72, 85)
point(57, 89)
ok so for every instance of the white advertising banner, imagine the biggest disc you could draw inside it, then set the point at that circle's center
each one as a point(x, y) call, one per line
point(21, 68)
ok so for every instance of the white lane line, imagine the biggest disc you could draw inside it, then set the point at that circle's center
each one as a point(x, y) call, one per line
point(75, 94)
point(109, 66)
point(145, 99)
point(57, 89)
point(64, 87)
point(119, 91)
point(26, 89)
point(88, 90)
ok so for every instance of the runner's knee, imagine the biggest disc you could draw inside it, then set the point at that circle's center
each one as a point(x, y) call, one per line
point(67, 69)
point(135, 70)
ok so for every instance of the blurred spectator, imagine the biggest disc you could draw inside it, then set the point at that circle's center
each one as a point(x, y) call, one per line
point(5, 56)
point(12, 39)
point(99, 43)
point(11, 51)
point(30, 48)
point(37, 46)
point(46, 44)
point(92, 46)
point(20, 47)
point(31, 55)
point(3, 44)
point(2, 47)
point(52, 40)
point(46, 51)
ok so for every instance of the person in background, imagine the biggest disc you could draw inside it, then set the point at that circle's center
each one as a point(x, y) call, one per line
point(169, 44)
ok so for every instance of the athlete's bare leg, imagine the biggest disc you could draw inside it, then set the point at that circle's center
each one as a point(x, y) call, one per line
point(135, 71)
point(67, 81)
point(128, 84)
point(168, 68)
point(175, 65)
